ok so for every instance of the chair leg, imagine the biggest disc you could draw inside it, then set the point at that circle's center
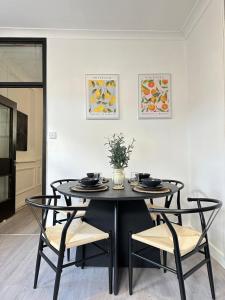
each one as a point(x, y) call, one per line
point(82, 256)
point(180, 275)
point(68, 254)
point(210, 273)
point(165, 260)
point(38, 262)
point(58, 275)
point(68, 250)
point(157, 220)
point(130, 270)
point(54, 218)
point(110, 251)
point(179, 220)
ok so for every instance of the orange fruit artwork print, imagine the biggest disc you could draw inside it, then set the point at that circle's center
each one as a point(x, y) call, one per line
point(154, 98)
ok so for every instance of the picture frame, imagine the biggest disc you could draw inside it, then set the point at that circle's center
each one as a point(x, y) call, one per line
point(102, 96)
point(154, 96)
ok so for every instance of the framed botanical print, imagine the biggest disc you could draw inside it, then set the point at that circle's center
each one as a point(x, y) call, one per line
point(102, 96)
point(154, 96)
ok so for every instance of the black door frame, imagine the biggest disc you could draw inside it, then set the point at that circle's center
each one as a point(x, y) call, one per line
point(43, 85)
point(8, 206)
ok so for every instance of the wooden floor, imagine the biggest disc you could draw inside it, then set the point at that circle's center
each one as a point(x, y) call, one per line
point(18, 246)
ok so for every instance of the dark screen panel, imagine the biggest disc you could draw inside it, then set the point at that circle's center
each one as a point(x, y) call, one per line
point(22, 124)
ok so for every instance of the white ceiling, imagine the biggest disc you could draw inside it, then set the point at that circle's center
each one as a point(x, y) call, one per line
point(155, 15)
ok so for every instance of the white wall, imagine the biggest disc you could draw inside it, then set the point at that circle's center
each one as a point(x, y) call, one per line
point(161, 145)
point(206, 115)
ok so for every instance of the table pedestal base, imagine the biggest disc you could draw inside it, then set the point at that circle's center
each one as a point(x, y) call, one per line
point(120, 217)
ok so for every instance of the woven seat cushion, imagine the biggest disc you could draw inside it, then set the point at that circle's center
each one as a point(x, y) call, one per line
point(79, 233)
point(160, 237)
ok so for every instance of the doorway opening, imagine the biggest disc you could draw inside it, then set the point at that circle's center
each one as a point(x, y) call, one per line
point(23, 82)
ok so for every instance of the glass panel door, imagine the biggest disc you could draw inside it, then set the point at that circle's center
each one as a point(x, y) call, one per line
point(4, 188)
point(4, 148)
point(7, 157)
point(4, 131)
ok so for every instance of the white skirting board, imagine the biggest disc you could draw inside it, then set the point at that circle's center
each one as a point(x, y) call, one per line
point(217, 254)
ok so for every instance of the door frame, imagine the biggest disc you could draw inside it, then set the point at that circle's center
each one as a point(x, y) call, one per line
point(7, 207)
point(43, 85)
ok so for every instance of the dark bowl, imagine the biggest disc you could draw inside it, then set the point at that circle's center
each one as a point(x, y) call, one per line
point(90, 175)
point(143, 176)
point(89, 181)
point(151, 182)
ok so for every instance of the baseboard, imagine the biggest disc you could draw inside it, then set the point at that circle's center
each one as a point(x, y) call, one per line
point(217, 254)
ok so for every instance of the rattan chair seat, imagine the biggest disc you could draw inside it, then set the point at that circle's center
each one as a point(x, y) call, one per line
point(79, 233)
point(161, 238)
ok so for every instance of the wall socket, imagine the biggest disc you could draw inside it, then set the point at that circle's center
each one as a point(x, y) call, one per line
point(52, 135)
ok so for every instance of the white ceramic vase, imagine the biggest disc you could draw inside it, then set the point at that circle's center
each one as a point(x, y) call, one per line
point(118, 176)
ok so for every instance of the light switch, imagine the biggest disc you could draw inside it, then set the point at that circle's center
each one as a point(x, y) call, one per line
point(52, 135)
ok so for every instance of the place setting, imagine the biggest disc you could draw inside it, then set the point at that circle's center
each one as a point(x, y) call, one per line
point(144, 183)
point(93, 182)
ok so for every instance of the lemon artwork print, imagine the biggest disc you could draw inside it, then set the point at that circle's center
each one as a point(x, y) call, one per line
point(102, 97)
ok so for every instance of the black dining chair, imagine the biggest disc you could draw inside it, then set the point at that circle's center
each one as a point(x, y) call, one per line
point(72, 233)
point(66, 214)
point(179, 240)
point(156, 217)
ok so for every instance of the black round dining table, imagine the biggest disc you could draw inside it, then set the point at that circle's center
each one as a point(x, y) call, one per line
point(119, 211)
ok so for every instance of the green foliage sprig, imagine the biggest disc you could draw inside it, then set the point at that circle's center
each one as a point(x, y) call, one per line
point(119, 152)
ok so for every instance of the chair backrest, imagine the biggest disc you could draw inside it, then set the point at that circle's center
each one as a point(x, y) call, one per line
point(40, 207)
point(169, 199)
point(213, 208)
point(56, 183)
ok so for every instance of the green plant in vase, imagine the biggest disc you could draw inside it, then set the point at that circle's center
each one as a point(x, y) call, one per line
point(119, 156)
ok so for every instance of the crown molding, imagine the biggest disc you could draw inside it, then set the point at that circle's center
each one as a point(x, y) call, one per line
point(91, 34)
point(194, 16)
